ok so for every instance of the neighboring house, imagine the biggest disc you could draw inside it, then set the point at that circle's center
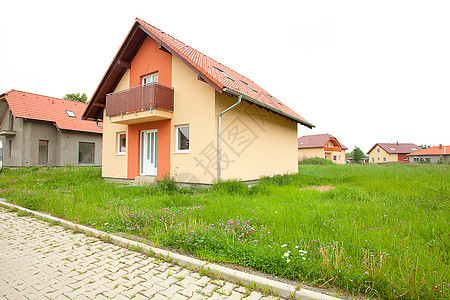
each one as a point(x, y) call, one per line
point(431, 155)
point(391, 152)
point(37, 130)
point(364, 160)
point(323, 146)
point(160, 102)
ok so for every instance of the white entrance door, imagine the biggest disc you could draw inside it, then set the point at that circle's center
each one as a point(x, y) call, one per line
point(148, 152)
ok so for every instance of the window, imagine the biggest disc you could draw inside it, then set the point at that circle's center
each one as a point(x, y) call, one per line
point(43, 152)
point(152, 78)
point(182, 138)
point(121, 143)
point(414, 149)
point(71, 113)
point(378, 150)
point(9, 148)
point(416, 159)
point(373, 159)
point(392, 149)
point(224, 74)
point(384, 158)
point(249, 86)
point(334, 157)
point(85, 153)
point(405, 158)
point(11, 121)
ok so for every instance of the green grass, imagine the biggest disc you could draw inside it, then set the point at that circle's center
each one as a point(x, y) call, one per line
point(383, 231)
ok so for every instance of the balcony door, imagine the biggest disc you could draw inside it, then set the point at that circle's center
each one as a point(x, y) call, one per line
point(149, 152)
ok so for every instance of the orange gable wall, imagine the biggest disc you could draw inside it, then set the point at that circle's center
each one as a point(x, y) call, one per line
point(163, 151)
point(148, 60)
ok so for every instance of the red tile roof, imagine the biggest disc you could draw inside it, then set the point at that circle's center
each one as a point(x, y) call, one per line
point(436, 150)
point(38, 107)
point(316, 141)
point(218, 75)
point(400, 148)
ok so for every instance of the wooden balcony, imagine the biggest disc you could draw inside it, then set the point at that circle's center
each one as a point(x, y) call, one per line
point(140, 99)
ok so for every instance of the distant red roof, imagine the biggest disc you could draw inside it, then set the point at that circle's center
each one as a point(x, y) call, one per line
point(316, 141)
point(219, 76)
point(436, 150)
point(38, 107)
point(400, 148)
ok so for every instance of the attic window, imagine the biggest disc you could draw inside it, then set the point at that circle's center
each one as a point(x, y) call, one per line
point(275, 99)
point(392, 149)
point(71, 114)
point(414, 149)
point(301, 143)
point(249, 86)
point(224, 74)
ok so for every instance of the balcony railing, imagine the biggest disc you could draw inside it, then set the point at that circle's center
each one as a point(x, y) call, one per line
point(139, 98)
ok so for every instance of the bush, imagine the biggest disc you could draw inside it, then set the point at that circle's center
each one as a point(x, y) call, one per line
point(315, 161)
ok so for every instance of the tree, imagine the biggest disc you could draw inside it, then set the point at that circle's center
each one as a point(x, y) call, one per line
point(76, 97)
point(357, 155)
point(424, 146)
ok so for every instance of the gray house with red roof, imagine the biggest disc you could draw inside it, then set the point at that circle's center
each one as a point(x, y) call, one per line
point(37, 130)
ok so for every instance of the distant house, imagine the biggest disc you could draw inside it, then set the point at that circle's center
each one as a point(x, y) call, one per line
point(431, 155)
point(323, 146)
point(169, 110)
point(37, 130)
point(364, 160)
point(391, 152)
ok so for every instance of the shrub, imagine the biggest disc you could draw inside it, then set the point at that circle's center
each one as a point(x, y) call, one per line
point(315, 161)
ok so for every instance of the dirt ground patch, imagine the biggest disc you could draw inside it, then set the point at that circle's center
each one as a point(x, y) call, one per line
point(320, 188)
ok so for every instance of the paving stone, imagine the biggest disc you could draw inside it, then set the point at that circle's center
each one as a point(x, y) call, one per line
point(39, 260)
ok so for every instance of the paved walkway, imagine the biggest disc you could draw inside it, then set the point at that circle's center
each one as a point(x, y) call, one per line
point(39, 260)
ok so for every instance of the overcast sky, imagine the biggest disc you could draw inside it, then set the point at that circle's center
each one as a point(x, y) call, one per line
point(363, 71)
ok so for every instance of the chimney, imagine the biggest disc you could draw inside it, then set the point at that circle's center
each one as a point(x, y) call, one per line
point(440, 146)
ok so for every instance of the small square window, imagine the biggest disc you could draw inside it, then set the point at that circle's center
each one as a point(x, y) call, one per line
point(121, 143)
point(71, 113)
point(182, 138)
point(85, 153)
point(378, 150)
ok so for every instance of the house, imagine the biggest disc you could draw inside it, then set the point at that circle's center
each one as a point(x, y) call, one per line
point(349, 160)
point(169, 110)
point(323, 146)
point(431, 155)
point(37, 130)
point(391, 152)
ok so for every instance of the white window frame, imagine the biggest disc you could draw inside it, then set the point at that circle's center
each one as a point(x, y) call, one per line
point(177, 149)
point(71, 113)
point(119, 134)
point(153, 76)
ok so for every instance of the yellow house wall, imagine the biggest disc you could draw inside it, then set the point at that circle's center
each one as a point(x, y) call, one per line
point(193, 106)
point(376, 157)
point(319, 152)
point(255, 142)
point(114, 165)
point(306, 153)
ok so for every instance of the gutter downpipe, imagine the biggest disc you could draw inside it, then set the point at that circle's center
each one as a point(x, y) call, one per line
point(220, 133)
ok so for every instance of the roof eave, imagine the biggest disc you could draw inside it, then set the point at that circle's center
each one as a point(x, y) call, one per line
point(303, 122)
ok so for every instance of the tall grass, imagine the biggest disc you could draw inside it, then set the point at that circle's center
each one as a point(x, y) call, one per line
point(383, 231)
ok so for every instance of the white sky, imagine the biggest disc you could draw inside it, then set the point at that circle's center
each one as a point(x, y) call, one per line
point(363, 71)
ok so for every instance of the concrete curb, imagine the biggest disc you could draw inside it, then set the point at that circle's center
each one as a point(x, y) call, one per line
point(279, 288)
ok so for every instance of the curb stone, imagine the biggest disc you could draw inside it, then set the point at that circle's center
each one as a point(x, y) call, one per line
point(238, 277)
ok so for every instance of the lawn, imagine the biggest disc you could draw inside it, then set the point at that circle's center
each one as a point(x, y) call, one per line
point(381, 230)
